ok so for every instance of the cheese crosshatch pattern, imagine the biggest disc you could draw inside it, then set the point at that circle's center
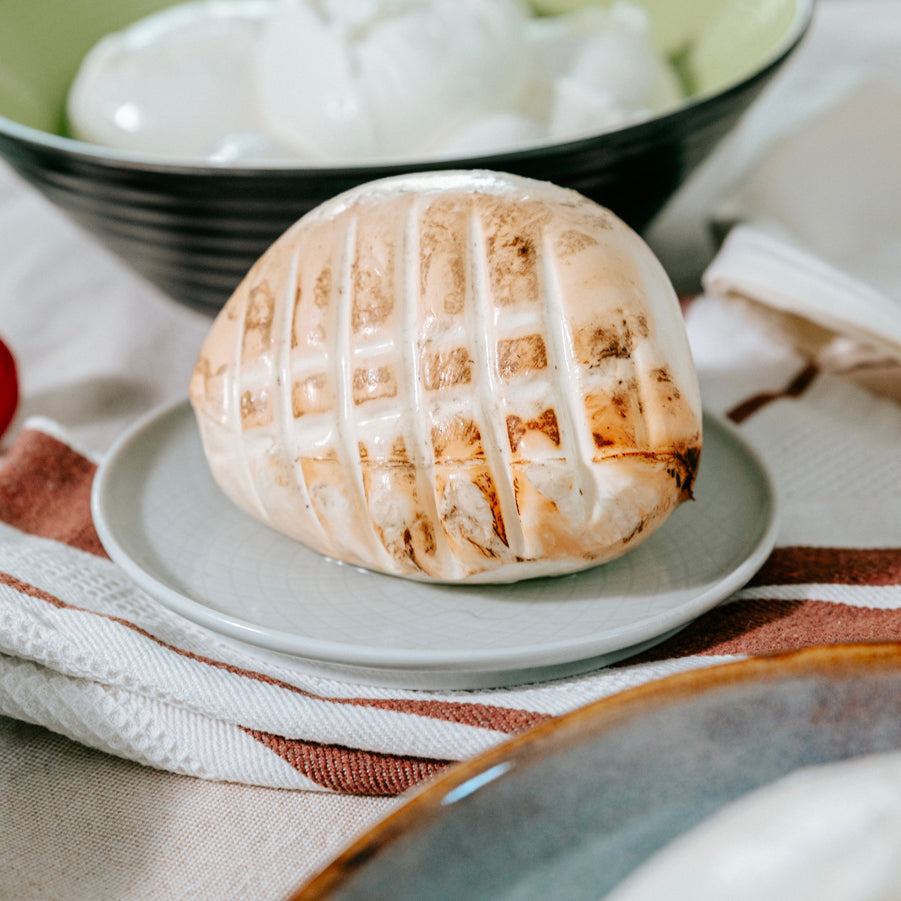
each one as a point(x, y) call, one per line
point(454, 376)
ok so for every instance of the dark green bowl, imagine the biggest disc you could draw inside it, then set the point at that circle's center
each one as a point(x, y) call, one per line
point(195, 229)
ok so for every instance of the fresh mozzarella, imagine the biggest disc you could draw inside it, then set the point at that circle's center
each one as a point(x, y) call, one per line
point(332, 82)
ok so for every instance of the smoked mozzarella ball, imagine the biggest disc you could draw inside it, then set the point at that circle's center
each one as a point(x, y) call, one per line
point(454, 376)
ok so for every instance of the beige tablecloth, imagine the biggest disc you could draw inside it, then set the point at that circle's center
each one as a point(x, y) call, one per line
point(97, 348)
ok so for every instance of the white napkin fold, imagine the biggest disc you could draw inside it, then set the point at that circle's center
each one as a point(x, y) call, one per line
point(838, 322)
point(813, 213)
point(87, 654)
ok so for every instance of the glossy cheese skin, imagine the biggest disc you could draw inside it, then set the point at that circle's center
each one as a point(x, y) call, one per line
point(460, 376)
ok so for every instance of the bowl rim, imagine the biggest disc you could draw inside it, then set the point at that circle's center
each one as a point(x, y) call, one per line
point(636, 133)
point(598, 717)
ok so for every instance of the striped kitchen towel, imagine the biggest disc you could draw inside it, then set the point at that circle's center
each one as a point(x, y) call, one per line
point(85, 653)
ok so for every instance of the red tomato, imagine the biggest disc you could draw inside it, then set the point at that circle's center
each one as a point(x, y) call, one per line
point(9, 388)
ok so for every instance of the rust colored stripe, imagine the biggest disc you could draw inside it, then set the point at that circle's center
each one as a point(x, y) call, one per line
point(33, 591)
point(831, 566)
point(350, 770)
point(499, 719)
point(795, 388)
point(763, 626)
point(483, 716)
point(45, 490)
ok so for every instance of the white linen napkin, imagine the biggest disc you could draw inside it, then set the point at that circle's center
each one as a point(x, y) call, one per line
point(87, 654)
point(813, 212)
point(838, 322)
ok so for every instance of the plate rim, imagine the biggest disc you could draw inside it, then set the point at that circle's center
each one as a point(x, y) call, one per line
point(343, 654)
point(424, 803)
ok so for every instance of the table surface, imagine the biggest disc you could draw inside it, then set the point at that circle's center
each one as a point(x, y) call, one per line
point(97, 348)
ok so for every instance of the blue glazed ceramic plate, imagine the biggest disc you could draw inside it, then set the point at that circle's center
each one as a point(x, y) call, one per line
point(571, 808)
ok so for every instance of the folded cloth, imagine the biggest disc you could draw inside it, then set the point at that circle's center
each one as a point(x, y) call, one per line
point(838, 322)
point(813, 207)
point(87, 654)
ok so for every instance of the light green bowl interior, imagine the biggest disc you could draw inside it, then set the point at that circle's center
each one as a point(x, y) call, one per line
point(715, 43)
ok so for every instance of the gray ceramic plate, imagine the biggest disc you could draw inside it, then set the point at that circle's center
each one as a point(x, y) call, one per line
point(164, 520)
point(570, 808)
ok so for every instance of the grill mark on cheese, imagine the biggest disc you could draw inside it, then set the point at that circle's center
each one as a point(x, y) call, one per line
point(208, 385)
point(444, 369)
point(411, 542)
point(496, 483)
point(349, 477)
point(545, 424)
point(442, 270)
point(281, 468)
point(401, 504)
point(457, 439)
point(570, 438)
point(314, 394)
point(322, 288)
point(243, 470)
point(664, 377)
point(372, 279)
point(256, 410)
point(520, 356)
point(612, 418)
point(258, 321)
point(417, 252)
point(512, 237)
point(374, 383)
point(573, 241)
point(311, 396)
point(255, 407)
point(609, 337)
point(485, 481)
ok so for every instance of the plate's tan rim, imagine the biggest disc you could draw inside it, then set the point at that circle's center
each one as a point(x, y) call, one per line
point(834, 661)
